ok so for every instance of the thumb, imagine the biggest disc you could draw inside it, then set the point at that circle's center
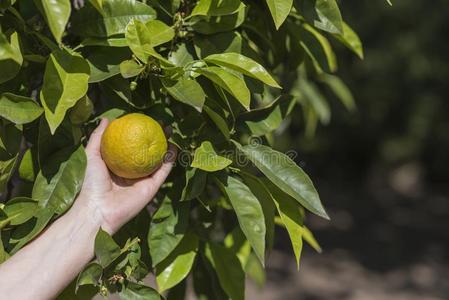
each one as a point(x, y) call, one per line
point(93, 146)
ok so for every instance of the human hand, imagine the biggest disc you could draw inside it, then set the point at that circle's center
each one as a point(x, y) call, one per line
point(111, 200)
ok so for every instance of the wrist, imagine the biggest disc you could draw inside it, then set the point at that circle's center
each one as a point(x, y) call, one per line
point(84, 210)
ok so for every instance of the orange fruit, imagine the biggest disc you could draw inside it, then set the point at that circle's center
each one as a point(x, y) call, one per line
point(133, 146)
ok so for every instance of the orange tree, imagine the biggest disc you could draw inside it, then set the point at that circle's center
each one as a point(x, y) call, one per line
point(223, 75)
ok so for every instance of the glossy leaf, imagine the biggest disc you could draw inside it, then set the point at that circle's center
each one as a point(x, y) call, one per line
point(218, 43)
point(160, 33)
point(249, 214)
point(137, 35)
point(136, 291)
point(177, 265)
point(27, 231)
point(229, 270)
point(217, 7)
point(168, 226)
point(10, 57)
point(19, 210)
point(91, 274)
point(351, 40)
point(329, 16)
point(195, 184)
point(104, 62)
point(19, 109)
point(279, 9)
point(130, 68)
point(291, 216)
point(60, 180)
point(307, 236)
point(259, 190)
point(113, 19)
point(106, 249)
point(213, 25)
point(108, 42)
point(233, 84)
point(285, 174)
point(57, 14)
point(205, 158)
point(187, 91)
point(65, 81)
point(317, 48)
point(28, 166)
point(244, 65)
point(266, 119)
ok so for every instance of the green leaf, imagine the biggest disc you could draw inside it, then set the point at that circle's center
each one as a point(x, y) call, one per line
point(65, 82)
point(3, 254)
point(244, 65)
point(249, 214)
point(20, 209)
point(351, 40)
point(255, 270)
point(27, 231)
point(106, 249)
point(28, 166)
point(104, 62)
point(340, 90)
point(237, 242)
point(280, 10)
point(307, 236)
point(130, 68)
point(218, 43)
point(317, 48)
point(308, 94)
point(178, 264)
point(153, 33)
point(329, 16)
point(286, 175)
point(10, 57)
point(57, 14)
point(205, 158)
point(212, 25)
point(291, 217)
point(60, 179)
point(19, 109)
point(262, 194)
point(233, 84)
point(217, 7)
point(137, 35)
point(167, 228)
point(82, 111)
point(91, 275)
point(113, 19)
point(217, 116)
point(187, 91)
point(195, 184)
point(228, 268)
point(107, 42)
point(160, 33)
point(267, 119)
point(135, 291)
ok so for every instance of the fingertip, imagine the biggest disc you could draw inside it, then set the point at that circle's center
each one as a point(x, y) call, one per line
point(93, 146)
point(170, 156)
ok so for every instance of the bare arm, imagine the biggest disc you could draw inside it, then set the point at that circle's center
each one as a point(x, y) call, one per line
point(44, 267)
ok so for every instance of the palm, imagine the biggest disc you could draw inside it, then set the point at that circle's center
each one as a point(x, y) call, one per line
point(118, 199)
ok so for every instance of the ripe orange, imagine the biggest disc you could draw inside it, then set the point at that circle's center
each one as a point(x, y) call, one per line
point(133, 146)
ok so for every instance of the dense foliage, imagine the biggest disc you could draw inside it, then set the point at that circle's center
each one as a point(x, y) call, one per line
point(224, 75)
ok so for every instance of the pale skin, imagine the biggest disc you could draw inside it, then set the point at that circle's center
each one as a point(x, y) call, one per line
point(43, 268)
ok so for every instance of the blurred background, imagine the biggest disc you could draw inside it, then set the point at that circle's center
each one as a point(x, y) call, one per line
point(383, 171)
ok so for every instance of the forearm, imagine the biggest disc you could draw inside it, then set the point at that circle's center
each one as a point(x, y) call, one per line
point(48, 264)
